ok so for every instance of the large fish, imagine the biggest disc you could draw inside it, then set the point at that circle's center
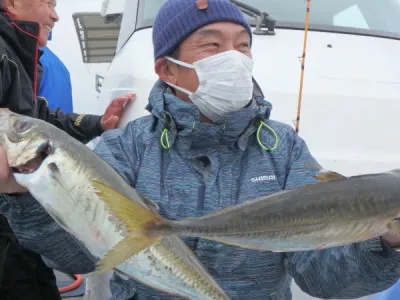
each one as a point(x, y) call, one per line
point(78, 190)
point(337, 211)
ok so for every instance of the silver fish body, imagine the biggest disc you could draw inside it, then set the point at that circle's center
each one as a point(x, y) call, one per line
point(318, 216)
point(64, 185)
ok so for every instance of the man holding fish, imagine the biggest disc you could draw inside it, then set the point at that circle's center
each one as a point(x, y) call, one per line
point(209, 144)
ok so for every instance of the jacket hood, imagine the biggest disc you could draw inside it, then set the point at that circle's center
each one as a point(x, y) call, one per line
point(178, 118)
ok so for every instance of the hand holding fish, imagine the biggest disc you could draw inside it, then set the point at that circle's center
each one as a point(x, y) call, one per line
point(110, 119)
point(114, 111)
point(392, 240)
point(8, 184)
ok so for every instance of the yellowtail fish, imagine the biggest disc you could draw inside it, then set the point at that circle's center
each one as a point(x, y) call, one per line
point(78, 190)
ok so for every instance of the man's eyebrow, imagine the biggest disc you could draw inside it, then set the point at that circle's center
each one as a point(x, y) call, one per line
point(215, 32)
point(208, 32)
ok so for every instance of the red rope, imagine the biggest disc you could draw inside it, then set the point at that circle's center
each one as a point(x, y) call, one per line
point(73, 286)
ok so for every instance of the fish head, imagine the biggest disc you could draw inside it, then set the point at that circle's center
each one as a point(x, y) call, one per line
point(26, 141)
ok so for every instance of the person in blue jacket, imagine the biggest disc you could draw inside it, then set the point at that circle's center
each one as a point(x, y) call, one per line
point(209, 143)
point(393, 293)
point(56, 81)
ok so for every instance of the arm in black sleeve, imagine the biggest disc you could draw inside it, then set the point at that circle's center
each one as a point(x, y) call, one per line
point(80, 126)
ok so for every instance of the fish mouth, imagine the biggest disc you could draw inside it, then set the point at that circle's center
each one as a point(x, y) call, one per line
point(42, 152)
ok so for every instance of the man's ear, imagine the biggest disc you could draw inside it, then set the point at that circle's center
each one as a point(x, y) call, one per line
point(165, 70)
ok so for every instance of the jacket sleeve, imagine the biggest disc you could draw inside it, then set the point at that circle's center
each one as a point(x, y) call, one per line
point(37, 231)
point(119, 147)
point(350, 271)
point(83, 127)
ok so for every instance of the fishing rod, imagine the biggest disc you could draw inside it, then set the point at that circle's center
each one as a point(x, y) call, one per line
point(303, 61)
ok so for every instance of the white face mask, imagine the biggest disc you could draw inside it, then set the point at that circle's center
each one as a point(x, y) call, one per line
point(225, 83)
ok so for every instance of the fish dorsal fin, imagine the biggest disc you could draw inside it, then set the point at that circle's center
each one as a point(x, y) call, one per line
point(323, 175)
point(135, 217)
point(326, 176)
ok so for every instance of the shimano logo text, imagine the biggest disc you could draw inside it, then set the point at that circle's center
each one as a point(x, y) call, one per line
point(263, 178)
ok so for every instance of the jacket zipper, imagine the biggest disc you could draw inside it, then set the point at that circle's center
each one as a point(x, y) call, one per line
point(202, 193)
point(35, 65)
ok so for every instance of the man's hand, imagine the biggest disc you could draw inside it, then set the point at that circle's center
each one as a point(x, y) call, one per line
point(114, 111)
point(8, 184)
point(391, 240)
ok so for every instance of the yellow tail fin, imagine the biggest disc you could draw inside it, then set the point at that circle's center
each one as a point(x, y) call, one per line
point(135, 217)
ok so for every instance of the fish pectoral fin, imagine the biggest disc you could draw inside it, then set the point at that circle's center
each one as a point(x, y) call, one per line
point(132, 215)
point(326, 176)
point(121, 252)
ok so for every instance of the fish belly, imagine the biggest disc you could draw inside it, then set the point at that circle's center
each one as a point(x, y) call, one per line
point(162, 268)
point(296, 239)
point(74, 206)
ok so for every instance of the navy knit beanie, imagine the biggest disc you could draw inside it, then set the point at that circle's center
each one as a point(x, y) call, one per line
point(177, 19)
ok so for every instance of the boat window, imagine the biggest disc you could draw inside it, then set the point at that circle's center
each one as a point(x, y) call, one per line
point(369, 17)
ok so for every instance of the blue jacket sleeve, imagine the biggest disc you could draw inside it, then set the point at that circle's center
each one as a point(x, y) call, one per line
point(350, 271)
point(118, 147)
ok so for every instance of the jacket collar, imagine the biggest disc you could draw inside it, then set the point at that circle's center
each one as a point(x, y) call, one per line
point(23, 38)
point(176, 118)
